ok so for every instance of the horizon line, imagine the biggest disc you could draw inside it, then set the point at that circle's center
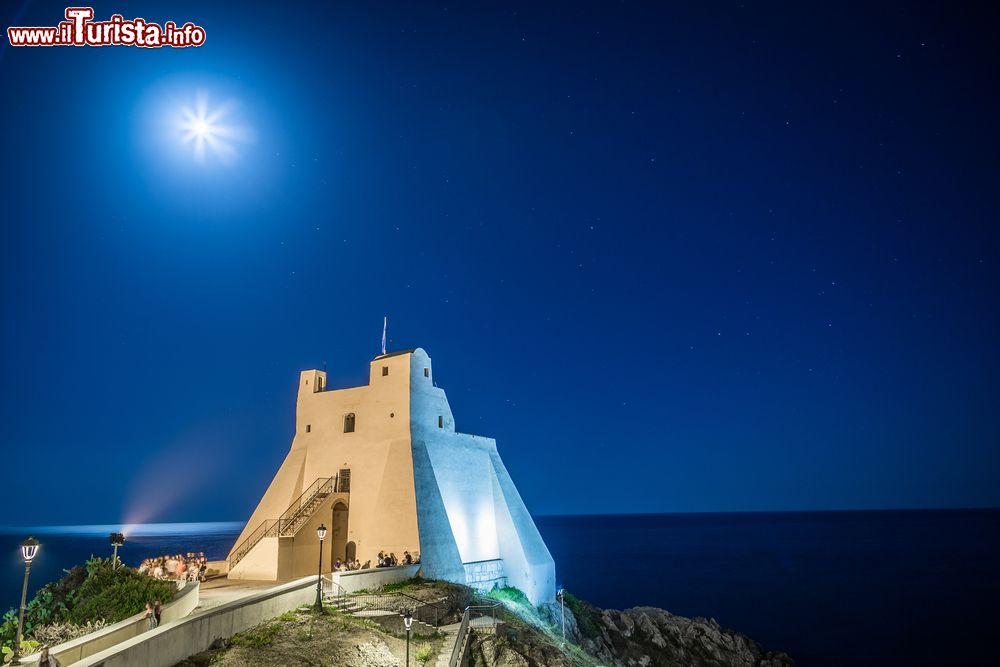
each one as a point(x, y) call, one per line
point(168, 527)
point(980, 508)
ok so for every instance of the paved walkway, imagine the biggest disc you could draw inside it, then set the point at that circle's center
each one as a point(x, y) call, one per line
point(220, 590)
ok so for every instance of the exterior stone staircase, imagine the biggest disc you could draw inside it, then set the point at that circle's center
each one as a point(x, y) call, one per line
point(450, 637)
point(459, 637)
point(290, 521)
point(386, 609)
point(381, 614)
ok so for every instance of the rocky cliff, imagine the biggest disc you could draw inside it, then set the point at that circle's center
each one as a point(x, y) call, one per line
point(641, 636)
point(650, 636)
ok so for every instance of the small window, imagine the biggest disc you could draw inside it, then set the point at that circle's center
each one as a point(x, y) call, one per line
point(309, 428)
point(385, 370)
point(440, 421)
point(349, 423)
point(427, 372)
point(319, 383)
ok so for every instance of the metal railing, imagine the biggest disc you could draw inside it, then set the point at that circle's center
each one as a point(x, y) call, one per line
point(458, 650)
point(266, 529)
point(475, 617)
point(301, 508)
point(332, 591)
point(382, 604)
point(290, 520)
point(484, 617)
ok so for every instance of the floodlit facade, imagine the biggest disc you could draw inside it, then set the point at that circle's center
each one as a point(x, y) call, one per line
point(383, 467)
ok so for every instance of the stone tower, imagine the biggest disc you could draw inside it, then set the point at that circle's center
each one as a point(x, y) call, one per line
point(384, 467)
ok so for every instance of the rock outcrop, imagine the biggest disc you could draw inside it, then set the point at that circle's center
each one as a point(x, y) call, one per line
point(648, 637)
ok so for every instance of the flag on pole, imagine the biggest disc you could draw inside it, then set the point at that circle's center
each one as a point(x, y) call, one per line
point(385, 321)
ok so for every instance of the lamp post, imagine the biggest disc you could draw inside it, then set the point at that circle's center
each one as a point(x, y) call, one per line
point(321, 534)
point(562, 612)
point(408, 622)
point(29, 549)
point(117, 540)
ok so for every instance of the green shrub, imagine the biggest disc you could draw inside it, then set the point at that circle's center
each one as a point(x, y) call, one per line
point(28, 646)
point(113, 594)
point(424, 653)
point(587, 617)
point(49, 604)
point(86, 594)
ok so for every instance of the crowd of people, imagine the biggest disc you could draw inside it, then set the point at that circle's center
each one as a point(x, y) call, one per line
point(384, 560)
point(348, 565)
point(194, 566)
point(189, 567)
point(390, 560)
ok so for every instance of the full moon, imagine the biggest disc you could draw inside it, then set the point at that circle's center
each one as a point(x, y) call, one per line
point(211, 130)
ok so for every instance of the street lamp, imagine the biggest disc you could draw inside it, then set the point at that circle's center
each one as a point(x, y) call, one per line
point(562, 612)
point(29, 549)
point(321, 534)
point(117, 540)
point(408, 622)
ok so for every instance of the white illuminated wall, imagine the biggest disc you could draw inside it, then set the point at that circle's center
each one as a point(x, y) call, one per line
point(468, 509)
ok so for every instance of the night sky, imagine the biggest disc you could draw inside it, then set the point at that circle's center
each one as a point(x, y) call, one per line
point(712, 258)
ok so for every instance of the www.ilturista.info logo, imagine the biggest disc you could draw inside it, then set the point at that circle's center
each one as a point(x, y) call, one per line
point(79, 29)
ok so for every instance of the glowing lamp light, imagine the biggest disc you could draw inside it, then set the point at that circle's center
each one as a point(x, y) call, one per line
point(321, 532)
point(29, 549)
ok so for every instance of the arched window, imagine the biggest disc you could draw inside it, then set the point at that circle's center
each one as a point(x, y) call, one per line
point(349, 423)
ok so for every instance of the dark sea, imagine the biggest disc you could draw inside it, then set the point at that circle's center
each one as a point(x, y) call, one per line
point(829, 588)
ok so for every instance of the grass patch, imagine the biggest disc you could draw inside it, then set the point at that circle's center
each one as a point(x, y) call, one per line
point(344, 622)
point(259, 637)
point(510, 596)
point(401, 585)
